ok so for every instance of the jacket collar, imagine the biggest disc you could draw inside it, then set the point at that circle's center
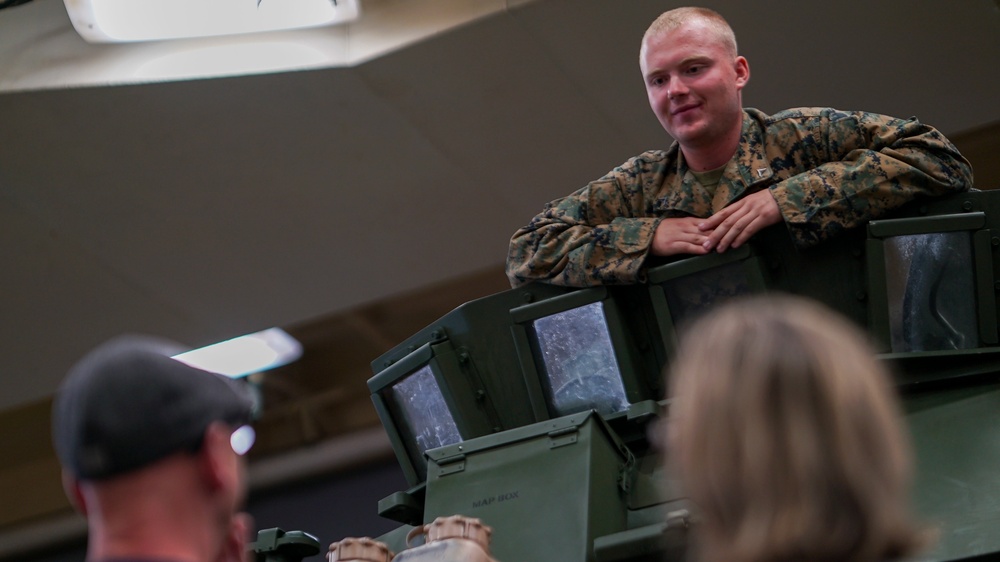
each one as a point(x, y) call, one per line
point(748, 168)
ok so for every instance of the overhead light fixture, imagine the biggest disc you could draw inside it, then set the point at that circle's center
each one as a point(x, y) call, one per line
point(111, 21)
point(245, 355)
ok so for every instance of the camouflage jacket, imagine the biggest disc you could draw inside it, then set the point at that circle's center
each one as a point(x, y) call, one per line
point(828, 170)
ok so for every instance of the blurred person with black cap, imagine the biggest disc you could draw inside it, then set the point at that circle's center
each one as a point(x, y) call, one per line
point(151, 450)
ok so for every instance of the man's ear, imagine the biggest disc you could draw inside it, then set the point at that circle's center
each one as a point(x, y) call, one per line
point(214, 455)
point(71, 485)
point(742, 68)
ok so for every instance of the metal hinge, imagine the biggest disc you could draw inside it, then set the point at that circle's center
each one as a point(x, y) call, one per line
point(562, 437)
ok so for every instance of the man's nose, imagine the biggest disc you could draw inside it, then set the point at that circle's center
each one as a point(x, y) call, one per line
point(676, 87)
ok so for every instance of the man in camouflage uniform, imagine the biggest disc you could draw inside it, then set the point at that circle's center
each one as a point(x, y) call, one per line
point(730, 172)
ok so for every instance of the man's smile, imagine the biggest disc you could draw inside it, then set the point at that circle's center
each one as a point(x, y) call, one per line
point(684, 109)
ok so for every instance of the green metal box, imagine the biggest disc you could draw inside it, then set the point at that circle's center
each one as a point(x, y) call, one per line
point(547, 489)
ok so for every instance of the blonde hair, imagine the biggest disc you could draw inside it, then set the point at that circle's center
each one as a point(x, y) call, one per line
point(788, 437)
point(671, 20)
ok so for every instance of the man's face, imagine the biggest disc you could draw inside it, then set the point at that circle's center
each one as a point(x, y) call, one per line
point(694, 82)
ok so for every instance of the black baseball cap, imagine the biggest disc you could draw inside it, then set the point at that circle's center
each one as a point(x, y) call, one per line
point(127, 404)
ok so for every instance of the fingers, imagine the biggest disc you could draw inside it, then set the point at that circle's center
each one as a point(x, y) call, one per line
point(678, 236)
point(734, 225)
point(734, 235)
point(713, 222)
point(735, 229)
point(729, 228)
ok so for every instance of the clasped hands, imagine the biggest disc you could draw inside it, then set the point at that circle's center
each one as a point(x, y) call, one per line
point(729, 228)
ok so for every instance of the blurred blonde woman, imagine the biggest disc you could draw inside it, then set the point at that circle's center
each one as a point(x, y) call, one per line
point(788, 437)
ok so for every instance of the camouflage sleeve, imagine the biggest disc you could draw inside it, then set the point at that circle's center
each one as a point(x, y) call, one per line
point(595, 236)
point(864, 165)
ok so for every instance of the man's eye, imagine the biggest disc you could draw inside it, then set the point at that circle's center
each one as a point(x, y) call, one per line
point(695, 69)
point(656, 81)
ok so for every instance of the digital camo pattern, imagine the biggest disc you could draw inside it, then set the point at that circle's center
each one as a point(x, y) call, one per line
point(828, 170)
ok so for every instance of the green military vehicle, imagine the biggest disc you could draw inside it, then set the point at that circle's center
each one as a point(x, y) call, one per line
point(532, 409)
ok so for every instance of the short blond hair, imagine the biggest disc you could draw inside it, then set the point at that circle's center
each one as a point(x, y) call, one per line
point(671, 20)
point(789, 438)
